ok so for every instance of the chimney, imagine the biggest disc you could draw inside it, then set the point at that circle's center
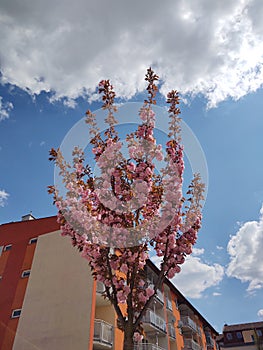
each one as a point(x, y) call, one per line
point(28, 217)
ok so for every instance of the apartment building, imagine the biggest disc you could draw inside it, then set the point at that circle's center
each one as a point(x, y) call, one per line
point(48, 299)
point(246, 336)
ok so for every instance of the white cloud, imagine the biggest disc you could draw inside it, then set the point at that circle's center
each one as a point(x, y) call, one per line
point(245, 250)
point(260, 313)
point(196, 276)
point(218, 247)
point(42, 143)
point(216, 294)
point(5, 108)
point(209, 47)
point(69, 102)
point(3, 197)
point(198, 251)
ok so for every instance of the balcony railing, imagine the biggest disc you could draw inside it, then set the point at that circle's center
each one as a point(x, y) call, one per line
point(169, 304)
point(148, 346)
point(210, 343)
point(155, 320)
point(103, 332)
point(100, 288)
point(171, 331)
point(159, 296)
point(191, 344)
point(189, 323)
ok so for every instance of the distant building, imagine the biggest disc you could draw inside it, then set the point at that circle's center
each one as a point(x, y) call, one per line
point(245, 336)
point(49, 300)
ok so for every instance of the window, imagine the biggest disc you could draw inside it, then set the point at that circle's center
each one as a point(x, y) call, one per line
point(16, 313)
point(259, 332)
point(7, 247)
point(229, 336)
point(239, 335)
point(33, 240)
point(25, 273)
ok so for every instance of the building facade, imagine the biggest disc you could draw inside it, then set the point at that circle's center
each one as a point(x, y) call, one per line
point(246, 336)
point(49, 300)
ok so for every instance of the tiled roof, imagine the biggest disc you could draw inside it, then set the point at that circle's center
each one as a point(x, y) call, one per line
point(242, 326)
point(220, 338)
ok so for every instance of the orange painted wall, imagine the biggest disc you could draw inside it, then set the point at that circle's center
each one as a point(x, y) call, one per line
point(118, 338)
point(9, 335)
point(3, 261)
point(166, 321)
point(18, 297)
point(203, 338)
point(118, 334)
point(12, 263)
point(30, 250)
point(92, 316)
point(179, 337)
point(20, 293)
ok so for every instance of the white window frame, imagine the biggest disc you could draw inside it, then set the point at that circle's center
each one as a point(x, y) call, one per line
point(13, 313)
point(229, 336)
point(239, 335)
point(27, 272)
point(33, 240)
point(7, 247)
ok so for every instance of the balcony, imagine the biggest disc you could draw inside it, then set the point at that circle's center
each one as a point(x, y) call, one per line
point(159, 296)
point(100, 300)
point(152, 321)
point(191, 344)
point(100, 288)
point(189, 325)
point(210, 343)
point(148, 346)
point(169, 305)
point(103, 335)
point(171, 331)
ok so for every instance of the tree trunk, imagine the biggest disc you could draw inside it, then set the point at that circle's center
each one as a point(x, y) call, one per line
point(128, 343)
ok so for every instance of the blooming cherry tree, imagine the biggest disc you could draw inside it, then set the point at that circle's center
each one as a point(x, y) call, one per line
point(116, 217)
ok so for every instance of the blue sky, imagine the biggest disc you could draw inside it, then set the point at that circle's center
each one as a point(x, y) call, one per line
point(55, 55)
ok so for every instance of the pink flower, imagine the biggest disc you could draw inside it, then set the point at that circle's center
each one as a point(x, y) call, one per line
point(131, 167)
point(159, 155)
point(142, 298)
point(141, 283)
point(149, 292)
point(102, 83)
point(79, 168)
point(137, 337)
point(121, 297)
point(124, 268)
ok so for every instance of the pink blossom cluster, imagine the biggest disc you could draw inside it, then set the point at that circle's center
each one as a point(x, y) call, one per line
point(97, 212)
point(113, 217)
